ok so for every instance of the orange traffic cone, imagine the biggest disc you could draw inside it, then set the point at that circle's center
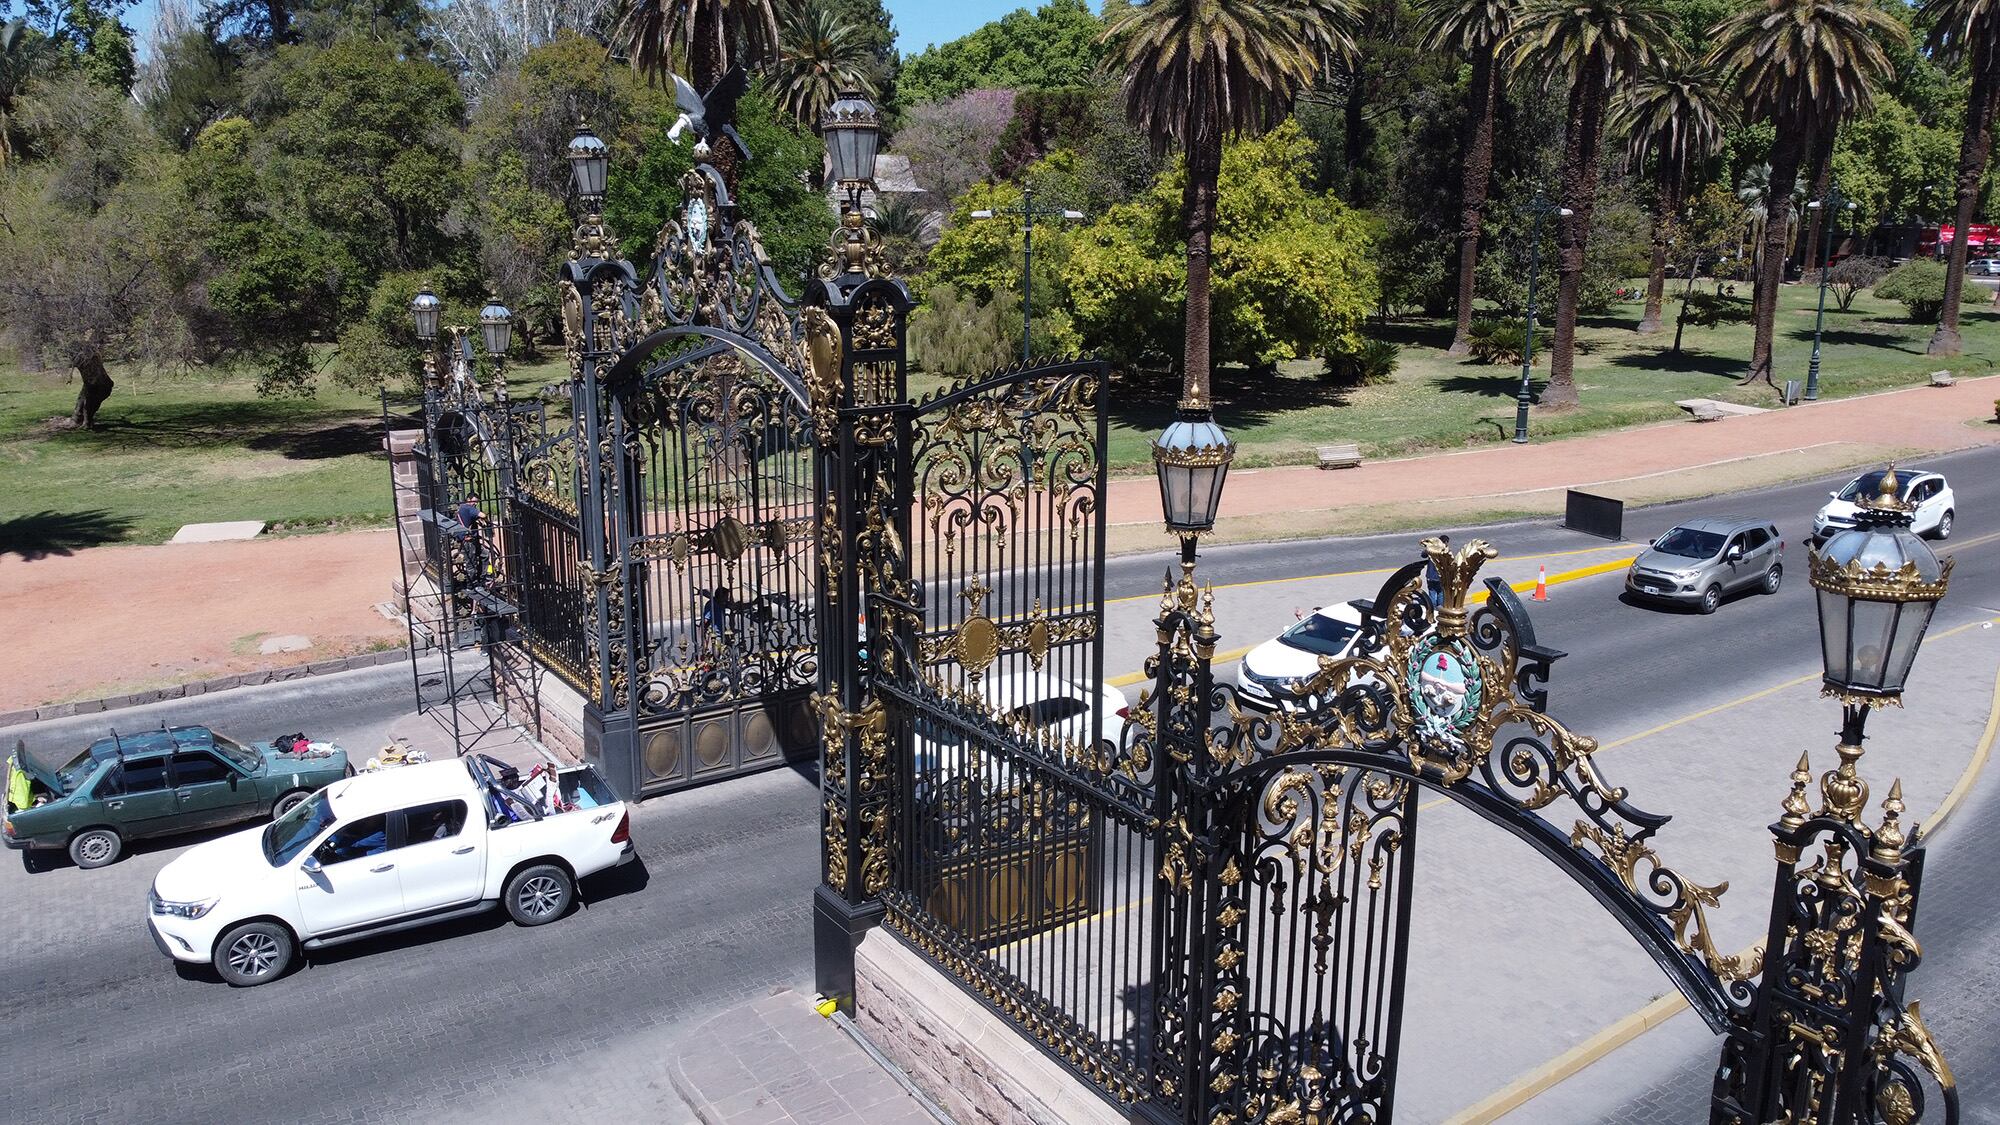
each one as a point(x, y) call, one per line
point(1542, 583)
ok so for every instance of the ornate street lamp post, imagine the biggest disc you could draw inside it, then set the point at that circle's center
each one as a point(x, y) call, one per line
point(1192, 459)
point(1832, 209)
point(1538, 208)
point(852, 133)
point(1831, 1037)
point(589, 165)
point(1028, 212)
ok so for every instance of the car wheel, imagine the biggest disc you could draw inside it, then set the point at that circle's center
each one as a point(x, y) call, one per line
point(1944, 525)
point(1773, 578)
point(1711, 598)
point(539, 894)
point(288, 802)
point(253, 953)
point(95, 847)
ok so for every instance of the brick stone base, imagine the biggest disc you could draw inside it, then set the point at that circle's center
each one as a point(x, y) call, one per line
point(972, 1063)
point(550, 708)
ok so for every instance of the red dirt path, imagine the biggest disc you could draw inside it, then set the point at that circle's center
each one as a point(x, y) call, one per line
point(119, 619)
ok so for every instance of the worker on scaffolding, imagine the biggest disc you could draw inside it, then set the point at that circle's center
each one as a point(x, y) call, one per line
point(469, 520)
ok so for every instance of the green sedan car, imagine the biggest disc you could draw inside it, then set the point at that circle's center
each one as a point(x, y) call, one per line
point(179, 779)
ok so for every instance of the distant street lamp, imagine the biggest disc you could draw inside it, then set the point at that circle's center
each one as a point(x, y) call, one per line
point(1834, 205)
point(1027, 212)
point(425, 309)
point(1539, 207)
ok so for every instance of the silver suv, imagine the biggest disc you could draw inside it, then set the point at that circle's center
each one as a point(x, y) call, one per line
point(1699, 561)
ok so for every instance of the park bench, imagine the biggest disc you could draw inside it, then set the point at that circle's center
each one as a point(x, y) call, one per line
point(1942, 379)
point(1340, 456)
point(1706, 413)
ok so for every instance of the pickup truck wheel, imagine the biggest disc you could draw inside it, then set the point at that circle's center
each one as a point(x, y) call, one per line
point(95, 847)
point(288, 802)
point(539, 894)
point(253, 953)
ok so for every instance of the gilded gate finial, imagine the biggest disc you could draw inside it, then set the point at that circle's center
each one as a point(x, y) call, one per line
point(1455, 574)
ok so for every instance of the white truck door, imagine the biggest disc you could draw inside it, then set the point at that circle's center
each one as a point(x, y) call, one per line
point(355, 882)
point(443, 857)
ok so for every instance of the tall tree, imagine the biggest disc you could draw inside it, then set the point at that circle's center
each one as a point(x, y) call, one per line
point(1675, 113)
point(1590, 46)
point(1475, 29)
point(1196, 71)
point(1805, 65)
point(819, 57)
point(20, 55)
point(710, 35)
point(1966, 31)
point(1055, 46)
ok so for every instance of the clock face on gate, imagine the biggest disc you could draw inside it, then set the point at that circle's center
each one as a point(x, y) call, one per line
point(697, 224)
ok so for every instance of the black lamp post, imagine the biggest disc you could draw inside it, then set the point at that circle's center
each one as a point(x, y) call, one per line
point(425, 310)
point(852, 133)
point(1028, 212)
point(1832, 209)
point(589, 165)
point(1192, 459)
point(1538, 208)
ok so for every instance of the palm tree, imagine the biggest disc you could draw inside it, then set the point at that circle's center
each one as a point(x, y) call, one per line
point(1590, 46)
point(1475, 29)
point(1197, 70)
point(1966, 31)
point(819, 58)
point(1676, 112)
point(1803, 65)
point(711, 35)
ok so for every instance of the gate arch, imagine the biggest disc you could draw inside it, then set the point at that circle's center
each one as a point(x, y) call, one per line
point(1289, 842)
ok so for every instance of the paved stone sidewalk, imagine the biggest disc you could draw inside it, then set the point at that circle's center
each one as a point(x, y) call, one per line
point(776, 1061)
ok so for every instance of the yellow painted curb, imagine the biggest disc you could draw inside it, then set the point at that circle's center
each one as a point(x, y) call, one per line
point(1130, 678)
point(1570, 1063)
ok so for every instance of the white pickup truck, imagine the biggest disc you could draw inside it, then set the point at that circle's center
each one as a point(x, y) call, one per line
point(387, 851)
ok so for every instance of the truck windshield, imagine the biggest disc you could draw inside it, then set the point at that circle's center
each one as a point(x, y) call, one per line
point(289, 834)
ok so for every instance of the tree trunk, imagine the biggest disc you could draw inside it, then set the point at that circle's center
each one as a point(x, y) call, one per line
point(1974, 147)
point(96, 388)
point(1820, 175)
point(1586, 128)
point(706, 64)
point(1478, 151)
point(1787, 153)
point(279, 14)
point(1198, 205)
point(1656, 277)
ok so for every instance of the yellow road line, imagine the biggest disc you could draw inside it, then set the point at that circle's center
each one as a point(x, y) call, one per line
point(1130, 678)
point(1378, 570)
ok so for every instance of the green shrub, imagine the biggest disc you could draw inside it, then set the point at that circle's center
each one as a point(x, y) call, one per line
point(1919, 285)
point(1706, 310)
point(1372, 363)
point(1499, 342)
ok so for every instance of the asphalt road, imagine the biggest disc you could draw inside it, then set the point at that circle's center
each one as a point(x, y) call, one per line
point(478, 1019)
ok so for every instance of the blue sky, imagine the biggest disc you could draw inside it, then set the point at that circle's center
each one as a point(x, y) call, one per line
point(918, 22)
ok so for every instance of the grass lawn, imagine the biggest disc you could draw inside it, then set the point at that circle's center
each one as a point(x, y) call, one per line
point(176, 449)
point(1438, 402)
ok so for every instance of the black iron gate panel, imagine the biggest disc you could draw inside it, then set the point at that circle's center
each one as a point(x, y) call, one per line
point(543, 513)
point(1309, 914)
point(1021, 839)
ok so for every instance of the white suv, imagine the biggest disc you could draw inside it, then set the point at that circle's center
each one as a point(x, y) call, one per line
point(388, 851)
point(1926, 492)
